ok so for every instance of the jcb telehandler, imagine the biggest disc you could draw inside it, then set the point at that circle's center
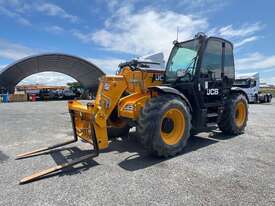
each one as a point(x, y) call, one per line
point(193, 94)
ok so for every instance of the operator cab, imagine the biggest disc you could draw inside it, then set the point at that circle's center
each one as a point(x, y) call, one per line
point(203, 57)
point(203, 70)
point(245, 83)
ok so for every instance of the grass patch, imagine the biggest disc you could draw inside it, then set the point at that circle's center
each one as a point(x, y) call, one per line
point(268, 90)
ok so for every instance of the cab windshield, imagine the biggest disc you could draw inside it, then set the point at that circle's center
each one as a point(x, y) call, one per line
point(182, 61)
point(243, 83)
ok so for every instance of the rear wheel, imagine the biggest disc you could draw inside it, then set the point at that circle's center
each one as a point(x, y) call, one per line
point(256, 99)
point(235, 114)
point(164, 125)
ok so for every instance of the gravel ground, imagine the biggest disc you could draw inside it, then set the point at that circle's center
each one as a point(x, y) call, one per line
point(213, 169)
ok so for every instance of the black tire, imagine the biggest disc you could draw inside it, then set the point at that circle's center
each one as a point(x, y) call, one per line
point(227, 122)
point(262, 100)
point(150, 125)
point(256, 99)
point(114, 132)
point(268, 99)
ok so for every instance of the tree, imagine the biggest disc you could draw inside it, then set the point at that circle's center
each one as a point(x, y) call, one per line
point(74, 85)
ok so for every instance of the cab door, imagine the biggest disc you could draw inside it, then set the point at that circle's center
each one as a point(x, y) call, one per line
point(211, 72)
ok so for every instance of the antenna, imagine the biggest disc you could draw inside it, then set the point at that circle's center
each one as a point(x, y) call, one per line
point(176, 41)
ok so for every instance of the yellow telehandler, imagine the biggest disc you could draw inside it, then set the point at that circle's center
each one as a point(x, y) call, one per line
point(193, 94)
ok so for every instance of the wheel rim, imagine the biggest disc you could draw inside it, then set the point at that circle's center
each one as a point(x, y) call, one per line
point(172, 126)
point(240, 114)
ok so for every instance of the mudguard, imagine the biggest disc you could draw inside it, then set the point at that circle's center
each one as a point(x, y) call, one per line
point(171, 90)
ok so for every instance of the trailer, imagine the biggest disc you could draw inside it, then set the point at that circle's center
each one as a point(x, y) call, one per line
point(250, 84)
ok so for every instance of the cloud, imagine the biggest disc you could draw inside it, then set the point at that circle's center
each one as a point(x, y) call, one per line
point(255, 61)
point(55, 10)
point(243, 31)
point(17, 17)
point(48, 78)
point(86, 38)
point(199, 7)
point(245, 41)
point(112, 4)
point(3, 66)
point(18, 9)
point(143, 32)
point(14, 51)
point(108, 65)
point(240, 36)
point(54, 29)
point(151, 30)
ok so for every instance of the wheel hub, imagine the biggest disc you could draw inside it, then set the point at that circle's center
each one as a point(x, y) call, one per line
point(167, 125)
point(240, 114)
point(172, 126)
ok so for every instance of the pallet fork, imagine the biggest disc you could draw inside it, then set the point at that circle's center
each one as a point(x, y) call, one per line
point(40, 174)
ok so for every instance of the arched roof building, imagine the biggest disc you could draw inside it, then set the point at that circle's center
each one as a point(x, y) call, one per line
point(83, 71)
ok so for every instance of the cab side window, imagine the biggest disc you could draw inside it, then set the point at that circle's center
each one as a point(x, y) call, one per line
point(253, 83)
point(211, 67)
point(229, 71)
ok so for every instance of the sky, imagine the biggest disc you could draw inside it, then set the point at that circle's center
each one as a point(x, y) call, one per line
point(107, 32)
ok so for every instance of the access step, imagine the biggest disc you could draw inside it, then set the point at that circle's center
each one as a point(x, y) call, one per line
point(212, 115)
point(212, 124)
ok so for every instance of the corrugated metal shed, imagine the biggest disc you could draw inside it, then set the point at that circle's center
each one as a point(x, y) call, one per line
point(83, 71)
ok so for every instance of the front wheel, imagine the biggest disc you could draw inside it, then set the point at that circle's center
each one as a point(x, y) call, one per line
point(234, 118)
point(164, 125)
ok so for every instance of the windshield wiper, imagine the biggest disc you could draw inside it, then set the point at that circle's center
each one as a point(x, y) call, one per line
point(187, 68)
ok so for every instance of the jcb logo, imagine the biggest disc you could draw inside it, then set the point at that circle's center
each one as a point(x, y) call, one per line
point(212, 92)
point(159, 77)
